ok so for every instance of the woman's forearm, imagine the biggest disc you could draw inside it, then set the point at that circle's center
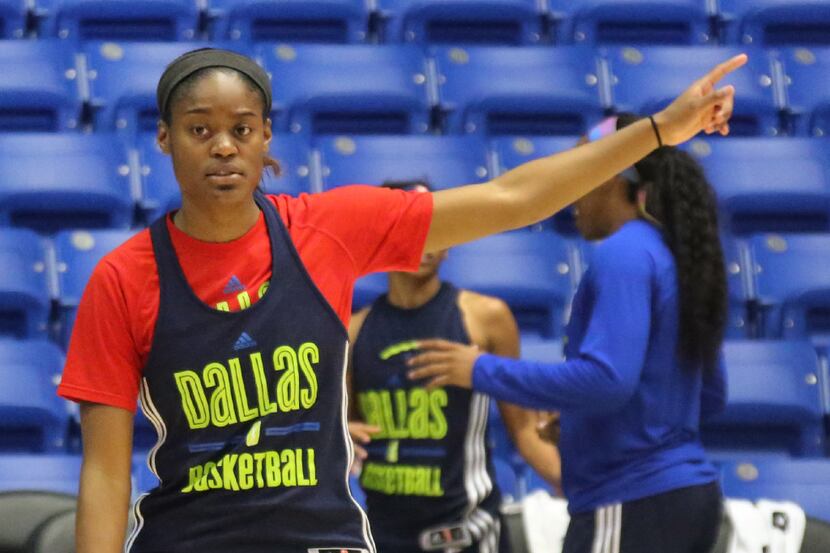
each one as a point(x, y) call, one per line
point(579, 385)
point(103, 510)
point(535, 190)
point(538, 189)
point(528, 188)
point(104, 496)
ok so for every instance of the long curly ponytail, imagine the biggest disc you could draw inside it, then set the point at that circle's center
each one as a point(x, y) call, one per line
point(682, 200)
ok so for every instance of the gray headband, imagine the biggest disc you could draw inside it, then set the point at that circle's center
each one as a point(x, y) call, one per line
point(187, 64)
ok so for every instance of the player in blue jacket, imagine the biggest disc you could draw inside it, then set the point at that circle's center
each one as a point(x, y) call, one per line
point(643, 362)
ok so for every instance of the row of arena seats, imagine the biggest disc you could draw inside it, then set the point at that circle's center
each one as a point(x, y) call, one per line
point(57, 181)
point(769, 22)
point(778, 398)
point(778, 283)
point(775, 289)
point(769, 442)
point(402, 89)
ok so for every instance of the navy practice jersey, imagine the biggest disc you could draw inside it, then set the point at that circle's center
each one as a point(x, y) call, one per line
point(253, 452)
point(429, 465)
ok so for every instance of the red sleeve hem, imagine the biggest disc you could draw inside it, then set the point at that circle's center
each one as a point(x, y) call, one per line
point(423, 221)
point(78, 395)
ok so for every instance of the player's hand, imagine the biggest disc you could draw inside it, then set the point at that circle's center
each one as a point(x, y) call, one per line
point(444, 363)
point(361, 433)
point(702, 107)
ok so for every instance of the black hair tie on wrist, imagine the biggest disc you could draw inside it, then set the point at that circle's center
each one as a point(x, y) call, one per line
point(656, 131)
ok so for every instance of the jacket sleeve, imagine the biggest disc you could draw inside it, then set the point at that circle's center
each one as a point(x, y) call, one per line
point(605, 373)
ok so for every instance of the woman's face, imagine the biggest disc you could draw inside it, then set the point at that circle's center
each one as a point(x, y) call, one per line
point(591, 213)
point(217, 140)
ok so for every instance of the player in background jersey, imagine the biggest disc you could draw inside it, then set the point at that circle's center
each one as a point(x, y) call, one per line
point(253, 451)
point(428, 477)
point(643, 362)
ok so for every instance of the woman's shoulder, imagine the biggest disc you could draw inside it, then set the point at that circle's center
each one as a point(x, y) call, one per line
point(130, 266)
point(134, 253)
point(636, 244)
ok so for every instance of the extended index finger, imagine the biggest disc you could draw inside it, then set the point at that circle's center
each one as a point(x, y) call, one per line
point(725, 68)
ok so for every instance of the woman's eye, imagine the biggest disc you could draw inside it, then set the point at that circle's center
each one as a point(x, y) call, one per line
point(199, 130)
point(243, 131)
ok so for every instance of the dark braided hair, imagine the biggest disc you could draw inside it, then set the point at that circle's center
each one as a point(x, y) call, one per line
point(682, 200)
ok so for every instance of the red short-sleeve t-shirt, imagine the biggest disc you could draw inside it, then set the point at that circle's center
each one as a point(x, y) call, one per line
point(339, 235)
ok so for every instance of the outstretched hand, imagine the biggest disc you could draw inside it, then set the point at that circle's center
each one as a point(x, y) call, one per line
point(444, 363)
point(702, 107)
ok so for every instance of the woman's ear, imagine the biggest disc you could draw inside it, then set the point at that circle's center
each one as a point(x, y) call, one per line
point(642, 196)
point(163, 137)
point(268, 133)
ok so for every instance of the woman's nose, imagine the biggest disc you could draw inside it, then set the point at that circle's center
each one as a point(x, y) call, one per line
point(223, 146)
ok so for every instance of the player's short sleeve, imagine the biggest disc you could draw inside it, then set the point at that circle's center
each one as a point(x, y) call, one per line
point(382, 229)
point(102, 363)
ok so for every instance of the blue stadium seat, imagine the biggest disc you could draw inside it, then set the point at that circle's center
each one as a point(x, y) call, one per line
point(82, 20)
point(506, 22)
point(444, 161)
point(143, 478)
point(145, 435)
point(792, 284)
point(807, 72)
point(54, 472)
point(33, 418)
point(54, 181)
point(39, 89)
point(348, 89)
point(160, 190)
point(804, 481)
point(24, 284)
point(367, 289)
point(632, 21)
point(531, 271)
point(776, 22)
point(742, 322)
point(769, 184)
point(511, 151)
point(545, 350)
point(13, 14)
point(512, 91)
point(122, 82)
point(77, 252)
point(774, 400)
point(645, 80)
point(357, 492)
point(335, 21)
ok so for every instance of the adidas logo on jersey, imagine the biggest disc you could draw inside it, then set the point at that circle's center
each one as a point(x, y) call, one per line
point(244, 341)
point(234, 285)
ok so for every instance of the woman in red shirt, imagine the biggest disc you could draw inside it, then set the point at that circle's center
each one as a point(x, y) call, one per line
point(228, 317)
